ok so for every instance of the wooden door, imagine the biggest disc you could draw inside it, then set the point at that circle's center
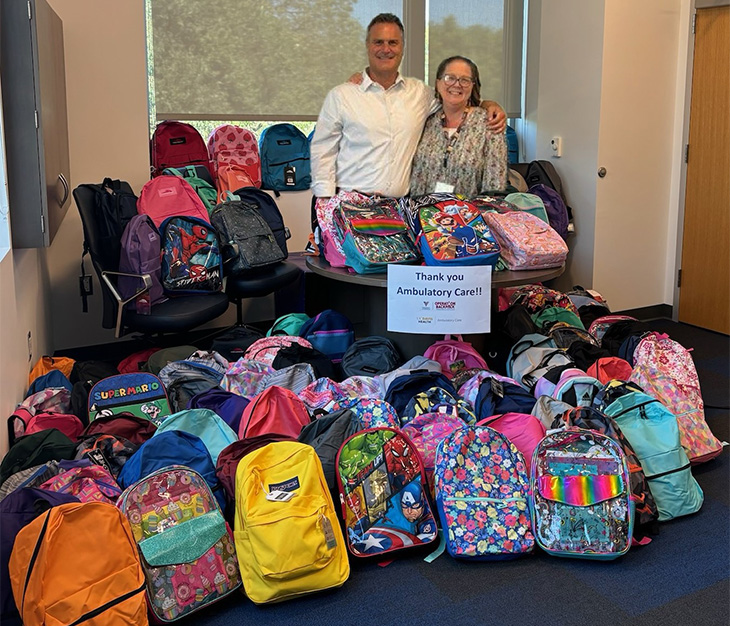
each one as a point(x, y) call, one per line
point(704, 293)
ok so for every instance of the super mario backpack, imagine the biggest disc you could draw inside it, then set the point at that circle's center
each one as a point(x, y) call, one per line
point(384, 493)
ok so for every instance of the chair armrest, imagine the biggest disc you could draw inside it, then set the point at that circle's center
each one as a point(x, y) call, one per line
point(122, 302)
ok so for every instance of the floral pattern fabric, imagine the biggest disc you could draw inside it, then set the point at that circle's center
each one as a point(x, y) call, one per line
point(482, 493)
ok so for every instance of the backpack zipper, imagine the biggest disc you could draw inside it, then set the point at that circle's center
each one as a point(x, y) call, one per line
point(289, 161)
point(108, 605)
point(34, 556)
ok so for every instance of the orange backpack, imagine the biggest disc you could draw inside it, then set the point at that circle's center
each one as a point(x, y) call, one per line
point(59, 576)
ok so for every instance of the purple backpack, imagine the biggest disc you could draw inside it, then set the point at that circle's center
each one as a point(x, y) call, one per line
point(555, 207)
point(141, 255)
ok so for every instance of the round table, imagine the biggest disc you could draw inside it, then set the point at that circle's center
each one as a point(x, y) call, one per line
point(363, 299)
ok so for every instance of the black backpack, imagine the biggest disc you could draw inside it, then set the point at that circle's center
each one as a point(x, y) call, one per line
point(246, 240)
point(543, 172)
point(371, 356)
point(297, 353)
point(269, 211)
point(36, 449)
point(84, 375)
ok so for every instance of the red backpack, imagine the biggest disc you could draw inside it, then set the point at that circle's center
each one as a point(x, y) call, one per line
point(176, 144)
point(274, 410)
point(170, 196)
point(234, 156)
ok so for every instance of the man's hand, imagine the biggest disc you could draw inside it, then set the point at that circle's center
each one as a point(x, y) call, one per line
point(355, 79)
point(496, 117)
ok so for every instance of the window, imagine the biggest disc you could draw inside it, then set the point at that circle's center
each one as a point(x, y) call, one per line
point(255, 62)
point(4, 224)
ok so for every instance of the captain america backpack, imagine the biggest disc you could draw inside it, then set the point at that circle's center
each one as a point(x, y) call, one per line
point(384, 493)
point(482, 495)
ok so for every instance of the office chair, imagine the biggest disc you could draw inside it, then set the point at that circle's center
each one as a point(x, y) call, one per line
point(175, 315)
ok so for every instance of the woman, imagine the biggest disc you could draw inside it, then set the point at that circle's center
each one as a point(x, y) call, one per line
point(456, 153)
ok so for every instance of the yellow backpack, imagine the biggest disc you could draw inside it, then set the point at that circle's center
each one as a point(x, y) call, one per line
point(288, 538)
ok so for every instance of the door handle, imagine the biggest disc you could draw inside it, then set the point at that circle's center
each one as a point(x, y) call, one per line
point(64, 182)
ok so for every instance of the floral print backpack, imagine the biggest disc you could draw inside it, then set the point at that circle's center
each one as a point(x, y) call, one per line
point(482, 495)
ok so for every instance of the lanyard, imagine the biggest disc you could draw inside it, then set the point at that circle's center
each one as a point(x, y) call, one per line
point(453, 139)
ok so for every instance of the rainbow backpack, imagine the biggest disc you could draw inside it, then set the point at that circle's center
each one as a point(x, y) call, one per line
point(186, 547)
point(581, 495)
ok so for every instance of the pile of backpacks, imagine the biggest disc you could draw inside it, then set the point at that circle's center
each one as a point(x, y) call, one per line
point(198, 472)
point(525, 229)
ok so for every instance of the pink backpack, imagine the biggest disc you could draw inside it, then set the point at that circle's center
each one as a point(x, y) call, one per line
point(88, 483)
point(526, 241)
point(266, 348)
point(523, 430)
point(665, 370)
point(426, 432)
point(274, 410)
point(230, 145)
point(24, 422)
point(455, 355)
point(168, 196)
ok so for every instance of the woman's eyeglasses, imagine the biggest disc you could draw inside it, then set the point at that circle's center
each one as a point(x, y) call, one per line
point(450, 80)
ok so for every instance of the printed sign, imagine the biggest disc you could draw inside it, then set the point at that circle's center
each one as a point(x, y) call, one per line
point(437, 300)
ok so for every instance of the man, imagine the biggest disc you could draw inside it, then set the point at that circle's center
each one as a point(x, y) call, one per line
point(367, 133)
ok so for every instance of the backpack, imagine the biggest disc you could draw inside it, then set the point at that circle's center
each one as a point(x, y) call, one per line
point(170, 196)
point(329, 332)
point(274, 410)
point(578, 390)
point(665, 370)
point(203, 423)
point(541, 172)
point(535, 298)
point(230, 145)
point(326, 435)
point(48, 591)
point(370, 356)
point(532, 357)
point(140, 393)
point(523, 430)
point(176, 144)
point(295, 377)
point(370, 412)
point(526, 242)
point(400, 391)
point(52, 379)
point(288, 538)
point(47, 363)
point(140, 254)
point(246, 239)
point(233, 343)
point(581, 495)
point(109, 451)
point(453, 233)
point(185, 379)
point(600, 325)
point(529, 202)
point(437, 400)
point(297, 354)
point(23, 422)
point(455, 355)
point(426, 432)
point(191, 256)
point(289, 324)
point(265, 349)
point(384, 494)
point(610, 368)
point(115, 206)
point(227, 405)
point(31, 450)
point(548, 317)
point(612, 391)
point(555, 208)
point(88, 482)
point(284, 151)
point(645, 510)
point(482, 495)
point(564, 335)
point(186, 548)
point(269, 210)
point(513, 146)
point(18, 509)
point(50, 399)
point(206, 192)
point(128, 426)
point(373, 235)
point(174, 447)
point(496, 397)
point(653, 433)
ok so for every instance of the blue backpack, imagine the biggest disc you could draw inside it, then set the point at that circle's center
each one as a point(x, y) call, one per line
point(175, 447)
point(226, 404)
point(513, 146)
point(203, 423)
point(191, 257)
point(497, 397)
point(404, 388)
point(653, 432)
point(284, 152)
point(483, 502)
point(329, 332)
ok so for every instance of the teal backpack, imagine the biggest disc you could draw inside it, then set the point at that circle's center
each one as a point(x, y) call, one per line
point(653, 433)
point(206, 192)
point(289, 324)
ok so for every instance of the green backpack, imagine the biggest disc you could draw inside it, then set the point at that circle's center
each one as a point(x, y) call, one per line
point(547, 317)
point(288, 324)
point(206, 192)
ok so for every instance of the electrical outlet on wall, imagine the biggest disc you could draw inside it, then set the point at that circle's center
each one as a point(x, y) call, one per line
point(556, 143)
